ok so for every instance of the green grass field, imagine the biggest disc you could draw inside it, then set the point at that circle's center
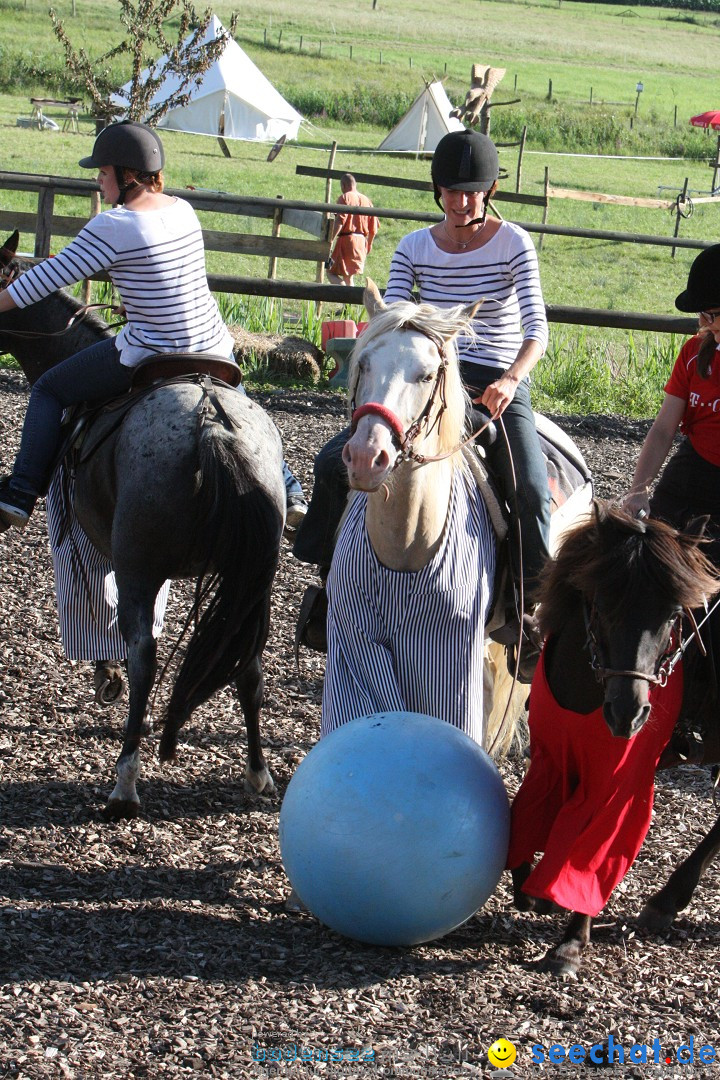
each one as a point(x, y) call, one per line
point(577, 45)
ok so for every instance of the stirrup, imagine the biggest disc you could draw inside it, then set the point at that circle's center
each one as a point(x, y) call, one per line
point(311, 627)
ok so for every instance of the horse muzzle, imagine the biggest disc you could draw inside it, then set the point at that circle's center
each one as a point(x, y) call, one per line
point(626, 711)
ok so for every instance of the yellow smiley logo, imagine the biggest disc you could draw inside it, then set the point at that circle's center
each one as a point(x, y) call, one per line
point(501, 1054)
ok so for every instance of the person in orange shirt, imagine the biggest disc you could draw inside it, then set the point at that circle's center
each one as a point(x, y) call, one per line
point(352, 234)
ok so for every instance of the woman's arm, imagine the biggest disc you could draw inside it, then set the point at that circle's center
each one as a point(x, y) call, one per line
point(500, 393)
point(525, 272)
point(653, 453)
point(6, 301)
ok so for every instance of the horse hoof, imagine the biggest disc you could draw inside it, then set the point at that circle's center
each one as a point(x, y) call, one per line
point(109, 684)
point(561, 961)
point(120, 810)
point(653, 919)
point(259, 783)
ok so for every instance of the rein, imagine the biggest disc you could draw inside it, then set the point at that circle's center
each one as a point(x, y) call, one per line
point(74, 320)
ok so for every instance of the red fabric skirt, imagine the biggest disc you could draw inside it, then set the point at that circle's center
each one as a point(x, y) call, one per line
point(586, 801)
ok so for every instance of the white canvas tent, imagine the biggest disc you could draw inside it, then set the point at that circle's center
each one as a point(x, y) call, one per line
point(424, 124)
point(234, 99)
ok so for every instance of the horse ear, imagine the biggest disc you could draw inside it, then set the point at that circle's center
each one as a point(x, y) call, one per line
point(472, 309)
point(695, 528)
point(372, 299)
point(7, 251)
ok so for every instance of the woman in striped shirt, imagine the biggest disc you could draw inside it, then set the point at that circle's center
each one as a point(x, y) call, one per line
point(468, 257)
point(464, 258)
point(151, 246)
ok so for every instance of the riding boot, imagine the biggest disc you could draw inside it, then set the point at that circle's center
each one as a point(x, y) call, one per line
point(311, 627)
point(529, 644)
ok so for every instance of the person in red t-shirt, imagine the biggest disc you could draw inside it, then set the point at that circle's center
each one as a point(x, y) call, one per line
point(690, 483)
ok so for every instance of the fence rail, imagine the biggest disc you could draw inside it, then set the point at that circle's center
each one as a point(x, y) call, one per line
point(312, 218)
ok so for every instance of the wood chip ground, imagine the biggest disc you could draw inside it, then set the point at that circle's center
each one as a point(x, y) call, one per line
point(162, 947)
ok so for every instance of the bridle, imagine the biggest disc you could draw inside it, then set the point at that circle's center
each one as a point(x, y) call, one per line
point(8, 273)
point(404, 438)
point(665, 663)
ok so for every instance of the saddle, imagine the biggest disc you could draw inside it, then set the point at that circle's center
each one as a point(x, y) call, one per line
point(79, 439)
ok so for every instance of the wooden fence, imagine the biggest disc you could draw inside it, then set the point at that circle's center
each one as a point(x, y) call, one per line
point(311, 217)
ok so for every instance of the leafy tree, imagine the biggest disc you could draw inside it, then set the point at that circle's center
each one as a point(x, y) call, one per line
point(150, 50)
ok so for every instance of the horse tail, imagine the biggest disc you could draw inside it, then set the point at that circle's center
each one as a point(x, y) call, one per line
point(241, 527)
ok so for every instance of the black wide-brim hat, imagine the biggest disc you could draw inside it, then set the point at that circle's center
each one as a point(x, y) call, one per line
point(703, 284)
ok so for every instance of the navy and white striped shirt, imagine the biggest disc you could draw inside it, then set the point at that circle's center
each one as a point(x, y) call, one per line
point(156, 259)
point(411, 640)
point(503, 273)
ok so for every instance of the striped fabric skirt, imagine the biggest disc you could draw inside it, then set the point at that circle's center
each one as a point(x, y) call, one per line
point(411, 640)
point(85, 588)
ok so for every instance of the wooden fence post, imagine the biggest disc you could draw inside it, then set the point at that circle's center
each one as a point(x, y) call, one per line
point(95, 207)
point(545, 207)
point(518, 179)
point(320, 274)
point(277, 222)
point(678, 212)
point(43, 228)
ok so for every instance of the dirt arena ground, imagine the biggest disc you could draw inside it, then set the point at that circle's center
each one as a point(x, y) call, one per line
point(162, 946)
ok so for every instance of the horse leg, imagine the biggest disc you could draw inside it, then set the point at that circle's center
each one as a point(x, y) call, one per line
point(251, 688)
point(661, 909)
point(135, 620)
point(522, 900)
point(565, 958)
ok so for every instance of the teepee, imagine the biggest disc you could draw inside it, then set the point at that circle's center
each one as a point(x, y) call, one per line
point(233, 100)
point(424, 124)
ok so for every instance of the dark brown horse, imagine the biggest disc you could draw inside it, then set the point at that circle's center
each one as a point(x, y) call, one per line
point(188, 485)
point(611, 604)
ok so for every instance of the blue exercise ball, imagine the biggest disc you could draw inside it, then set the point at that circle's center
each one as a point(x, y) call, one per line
point(394, 829)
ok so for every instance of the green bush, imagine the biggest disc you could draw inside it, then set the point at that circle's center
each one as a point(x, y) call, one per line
point(358, 106)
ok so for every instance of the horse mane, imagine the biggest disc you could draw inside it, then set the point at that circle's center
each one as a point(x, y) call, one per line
point(441, 326)
point(628, 557)
point(66, 302)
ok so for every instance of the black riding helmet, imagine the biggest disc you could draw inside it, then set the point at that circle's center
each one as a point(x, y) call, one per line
point(126, 145)
point(703, 284)
point(464, 161)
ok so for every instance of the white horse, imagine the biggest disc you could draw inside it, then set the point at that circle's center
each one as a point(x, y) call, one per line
point(412, 575)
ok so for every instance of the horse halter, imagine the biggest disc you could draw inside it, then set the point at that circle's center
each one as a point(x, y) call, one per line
point(664, 664)
point(404, 438)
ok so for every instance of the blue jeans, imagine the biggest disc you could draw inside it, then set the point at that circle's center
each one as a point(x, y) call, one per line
point(95, 374)
point(528, 498)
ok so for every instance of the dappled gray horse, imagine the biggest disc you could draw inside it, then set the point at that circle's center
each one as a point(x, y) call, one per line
point(187, 483)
